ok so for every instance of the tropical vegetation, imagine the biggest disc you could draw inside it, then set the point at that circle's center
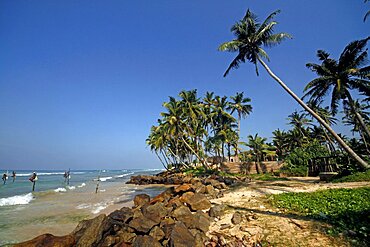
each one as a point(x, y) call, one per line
point(250, 38)
point(199, 131)
point(346, 210)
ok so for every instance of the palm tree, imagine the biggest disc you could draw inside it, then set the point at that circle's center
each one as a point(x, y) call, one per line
point(328, 117)
point(349, 118)
point(299, 121)
point(280, 141)
point(258, 147)
point(367, 13)
point(340, 77)
point(250, 37)
point(241, 106)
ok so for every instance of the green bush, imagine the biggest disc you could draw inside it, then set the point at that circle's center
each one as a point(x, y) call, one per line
point(356, 177)
point(347, 210)
point(296, 161)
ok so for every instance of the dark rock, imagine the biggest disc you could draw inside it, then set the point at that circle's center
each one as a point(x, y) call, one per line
point(184, 214)
point(217, 210)
point(141, 199)
point(200, 221)
point(167, 225)
point(200, 188)
point(181, 236)
point(215, 183)
point(137, 212)
point(237, 218)
point(185, 197)
point(110, 241)
point(146, 241)
point(164, 196)
point(224, 226)
point(49, 240)
point(210, 190)
point(90, 232)
point(142, 224)
point(125, 236)
point(124, 214)
point(123, 244)
point(174, 202)
point(223, 186)
point(200, 237)
point(198, 202)
point(155, 212)
point(157, 233)
point(183, 188)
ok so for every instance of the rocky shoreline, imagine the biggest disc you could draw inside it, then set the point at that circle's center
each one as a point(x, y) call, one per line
point(179, 216)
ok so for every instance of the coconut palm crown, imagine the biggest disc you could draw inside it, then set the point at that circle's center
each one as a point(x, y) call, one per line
point(250, 37)
point(340, 76)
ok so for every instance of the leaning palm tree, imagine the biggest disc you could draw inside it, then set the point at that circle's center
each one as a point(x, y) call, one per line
point(241, 106)
point(341, 77)
point(251, 36)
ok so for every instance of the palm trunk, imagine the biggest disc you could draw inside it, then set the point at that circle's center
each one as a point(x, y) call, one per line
point(331, 145)
point(360, 161)
point(365, 142)
point(357, 115)
point(239, 117)
point(198, 157)
point(161, 161)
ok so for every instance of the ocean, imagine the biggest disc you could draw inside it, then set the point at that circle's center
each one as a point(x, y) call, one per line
point(56, 207)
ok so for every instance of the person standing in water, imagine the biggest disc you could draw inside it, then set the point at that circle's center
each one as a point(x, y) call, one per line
point(33, 179)
point(4, 178)
point(13, 175)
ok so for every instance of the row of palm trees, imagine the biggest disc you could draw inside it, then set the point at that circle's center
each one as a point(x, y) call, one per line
point(349, 73)
point(192, 129)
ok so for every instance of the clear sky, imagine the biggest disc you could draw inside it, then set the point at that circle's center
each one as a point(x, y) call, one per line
point(81, 82)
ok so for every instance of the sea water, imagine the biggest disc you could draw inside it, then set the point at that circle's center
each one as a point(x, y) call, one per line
point(56, 207)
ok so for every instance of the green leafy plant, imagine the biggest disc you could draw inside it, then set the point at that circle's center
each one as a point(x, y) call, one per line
point(356, 177)
point(296, 161)
point(347, 210)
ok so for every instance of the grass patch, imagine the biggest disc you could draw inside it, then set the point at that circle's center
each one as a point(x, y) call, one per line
point(356, 177)
point(347, 210)
point(267, 177)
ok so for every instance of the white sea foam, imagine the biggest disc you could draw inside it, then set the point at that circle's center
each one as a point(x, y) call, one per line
point(102, 190)
point(95, 208)
point(16, 200)
point(46, 173)
point(71, 187)
point(98, 209)
point(82, 206)
point(152, 170)
point(60, 190)
point(105, 179)
point(123, 175)
point(82, 185)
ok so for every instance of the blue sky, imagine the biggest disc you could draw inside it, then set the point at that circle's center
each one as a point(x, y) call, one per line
point(81, 82)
